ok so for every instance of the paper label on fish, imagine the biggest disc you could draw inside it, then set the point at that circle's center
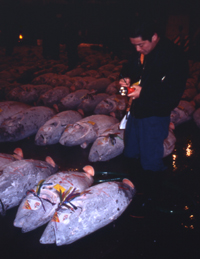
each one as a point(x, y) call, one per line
point(59, 188)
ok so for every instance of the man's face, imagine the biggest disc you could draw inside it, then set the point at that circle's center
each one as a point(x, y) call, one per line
point(144, 46)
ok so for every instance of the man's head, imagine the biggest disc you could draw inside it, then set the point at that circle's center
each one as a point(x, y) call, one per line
point(144, 35)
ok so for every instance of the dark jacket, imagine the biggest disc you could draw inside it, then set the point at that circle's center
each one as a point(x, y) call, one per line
point(163, 78)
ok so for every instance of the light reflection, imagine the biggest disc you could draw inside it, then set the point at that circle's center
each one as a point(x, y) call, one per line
point(189, 150)
point(174, 157)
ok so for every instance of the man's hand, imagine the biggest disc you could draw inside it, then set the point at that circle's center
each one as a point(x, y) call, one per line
point(126, 82)
point(136, 93)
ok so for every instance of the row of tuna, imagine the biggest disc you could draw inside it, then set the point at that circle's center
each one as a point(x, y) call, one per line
point(67, 128)
point(66, 199)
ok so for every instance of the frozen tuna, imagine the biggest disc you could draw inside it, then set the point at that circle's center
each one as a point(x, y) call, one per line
point(86, 130)
point(99, 85)
point(114, 105)
point(196, 117)
point(25, 123)
point(18, 177)
point(90, 101)
point(72, 100)
point(97, 207)
point(182, 113)
point(9, 108)
point(52, 130)
point(39, 206)
point(7, 158)
point(109, 145)
point(53, 96)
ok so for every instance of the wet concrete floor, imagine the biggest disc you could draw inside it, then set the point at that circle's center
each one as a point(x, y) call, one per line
point(168, 228)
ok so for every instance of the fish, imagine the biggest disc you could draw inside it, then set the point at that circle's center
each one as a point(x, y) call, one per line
point(110, 144)
point(196, 117)
point(9, 108)
point(86, 130)
point(72, 100)
point(98, 206)
point(107, 146)
point(25, 123)
point(53, 96)
point(182, 113)
point(114, 105)
point(90, 101)
point(99, 85)
point(52, 130)
point(17, 177)
point(7, 158)
point(40, 204)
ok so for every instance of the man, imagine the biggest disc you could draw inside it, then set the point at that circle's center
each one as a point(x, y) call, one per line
point(162, 76)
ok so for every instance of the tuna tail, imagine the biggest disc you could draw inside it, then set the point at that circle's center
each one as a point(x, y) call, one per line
point(128, 182)
point(89, 170)
point(50, 161)
point(18, 154)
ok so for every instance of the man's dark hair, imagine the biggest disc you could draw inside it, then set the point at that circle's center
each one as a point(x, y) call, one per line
point(144, 28)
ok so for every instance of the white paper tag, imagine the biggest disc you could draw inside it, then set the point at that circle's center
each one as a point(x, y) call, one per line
point(123, 122)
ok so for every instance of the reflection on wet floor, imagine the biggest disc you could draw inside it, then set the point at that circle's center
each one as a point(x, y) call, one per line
point(165, 228)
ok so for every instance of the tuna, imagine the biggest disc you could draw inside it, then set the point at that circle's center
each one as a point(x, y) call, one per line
point(86, 130)
point(18, 177)
point(196, 117)
point(111, 144)
point(114, 105)
point(99, 85)
point(53, 96)
point(100, 205)
point(7, 158)
point(39, 206)
point(28, 93)
point(52, 130)
point(9, 108)
point(25, 123)
point(182, 113)
point(90, 101)
point(72, 100)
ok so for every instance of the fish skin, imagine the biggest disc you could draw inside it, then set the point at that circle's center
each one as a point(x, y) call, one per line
point(111, 104)
point(7, 158)
point(52, 130)
point(18, 177)
point(53, 96)
point(106, 147)
point(104, 203)
point(86, 130)
point(99, 85)
point(25, 123)
point(72, 100)
point(90, 101)
point(9, 108)
point(182, 113)
point(29, 219)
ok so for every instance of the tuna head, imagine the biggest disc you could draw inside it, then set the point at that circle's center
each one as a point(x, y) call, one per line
point(11, 128)
point(38, 207)
point(98, 206)
point(79, 133)
point(106, 147)
point(50, 132)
